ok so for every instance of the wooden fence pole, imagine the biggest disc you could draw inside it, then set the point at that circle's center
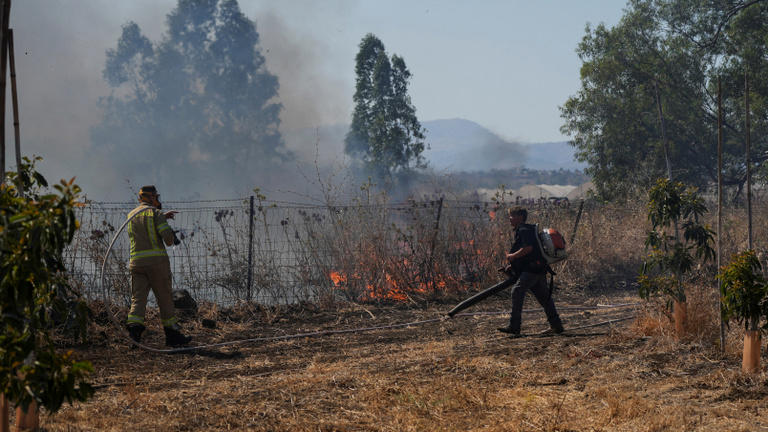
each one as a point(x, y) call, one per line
point(6, 13)
point(5, 425)
point(576, 223)
point(250, 249)
point(748, 160)
point(435, 231)
point(15, 103)
point(664, 142)
point(720, 207)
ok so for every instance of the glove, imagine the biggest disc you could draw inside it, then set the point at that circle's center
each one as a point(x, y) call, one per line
point(176, 240)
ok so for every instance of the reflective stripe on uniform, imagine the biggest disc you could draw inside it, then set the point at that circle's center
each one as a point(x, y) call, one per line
point(130, 236)
point(170, 321)
point(163, 226)
point(146, 215)
point(135, 319)
point(151, 230)
point(149, 253)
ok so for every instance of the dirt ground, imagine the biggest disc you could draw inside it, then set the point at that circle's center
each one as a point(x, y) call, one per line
point(451, 375)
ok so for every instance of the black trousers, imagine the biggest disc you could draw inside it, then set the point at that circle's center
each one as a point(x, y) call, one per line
point(537, 284)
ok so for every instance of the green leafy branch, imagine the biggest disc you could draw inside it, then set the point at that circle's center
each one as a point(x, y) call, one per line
point(34, 230)
point(744, 290)
point(673, 207)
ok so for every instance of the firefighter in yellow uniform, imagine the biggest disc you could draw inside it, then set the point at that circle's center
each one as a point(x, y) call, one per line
point(150, 267)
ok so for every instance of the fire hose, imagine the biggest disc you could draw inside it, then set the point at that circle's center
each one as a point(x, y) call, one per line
point(123, 332)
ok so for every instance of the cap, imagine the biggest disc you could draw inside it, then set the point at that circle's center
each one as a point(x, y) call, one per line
point(148, 190)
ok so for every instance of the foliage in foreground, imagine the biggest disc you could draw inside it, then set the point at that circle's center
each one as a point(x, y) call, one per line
point(34, 230)
point(744, 290)
point(673, 207)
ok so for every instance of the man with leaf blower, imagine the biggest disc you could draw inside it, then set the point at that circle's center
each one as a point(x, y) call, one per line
point(529, 261)
point(150, 267)
point(526, 259)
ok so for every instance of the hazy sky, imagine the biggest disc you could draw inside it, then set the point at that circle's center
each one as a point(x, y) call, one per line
point(506, 65)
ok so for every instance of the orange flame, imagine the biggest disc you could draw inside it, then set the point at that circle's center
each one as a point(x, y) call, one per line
point(391, 288)
point(337, 278)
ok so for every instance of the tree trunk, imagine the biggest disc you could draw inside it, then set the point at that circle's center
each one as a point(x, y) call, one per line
point(750, 360)
point(680, 313)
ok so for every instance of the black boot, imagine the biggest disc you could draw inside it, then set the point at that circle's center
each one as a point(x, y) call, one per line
point(135, 331)
point(175, 338)
point(512, 332)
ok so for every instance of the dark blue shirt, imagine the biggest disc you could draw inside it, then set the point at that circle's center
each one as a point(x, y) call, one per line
point(525, 235)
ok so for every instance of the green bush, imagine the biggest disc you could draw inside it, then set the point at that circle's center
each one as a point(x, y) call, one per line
point(672, 208)
point(744, 290)
point(35, 227)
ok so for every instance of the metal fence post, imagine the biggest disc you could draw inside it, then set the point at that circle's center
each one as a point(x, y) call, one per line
point(576, 224)
point(250, 249)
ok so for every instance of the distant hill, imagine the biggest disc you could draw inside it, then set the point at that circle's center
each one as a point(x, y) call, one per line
point(456, 145)
point(462, 145)
point(552, 155)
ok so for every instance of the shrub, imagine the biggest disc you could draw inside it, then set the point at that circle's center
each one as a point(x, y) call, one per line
point(34, 230)
point(744, 290)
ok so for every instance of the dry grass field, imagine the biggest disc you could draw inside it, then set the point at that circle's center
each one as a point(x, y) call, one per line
point(455, 374)
point(450, 375)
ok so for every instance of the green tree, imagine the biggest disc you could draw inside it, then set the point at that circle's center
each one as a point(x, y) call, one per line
point(34, 289)
point(649, 89)
point(673, 207)
point(744, 290)
point(385, 133)
point(201, 99)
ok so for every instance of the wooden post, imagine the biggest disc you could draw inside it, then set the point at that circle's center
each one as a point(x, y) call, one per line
point(28, 420)
point(15, 103)
point(665, 144)
point(5, 425)
point(435, 231)
point(250, 249)
point(720, 206)
point(748, 160)
point(576, 223)
point(6, 13)
point(663, 132)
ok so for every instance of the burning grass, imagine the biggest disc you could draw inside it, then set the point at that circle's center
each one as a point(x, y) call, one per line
point(453, 375)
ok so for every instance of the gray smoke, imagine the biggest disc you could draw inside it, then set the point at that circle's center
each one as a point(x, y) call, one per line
point(60, 51)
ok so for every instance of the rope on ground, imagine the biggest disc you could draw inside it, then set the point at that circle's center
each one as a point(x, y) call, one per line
point(560, 309)
point(611, 321)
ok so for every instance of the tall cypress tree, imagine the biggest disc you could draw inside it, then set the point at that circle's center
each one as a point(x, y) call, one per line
point(385, 133)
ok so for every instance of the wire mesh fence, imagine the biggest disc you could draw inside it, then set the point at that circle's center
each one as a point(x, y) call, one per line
point(370, 250)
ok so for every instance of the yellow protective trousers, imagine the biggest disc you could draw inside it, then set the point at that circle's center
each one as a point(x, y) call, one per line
point(156, 277)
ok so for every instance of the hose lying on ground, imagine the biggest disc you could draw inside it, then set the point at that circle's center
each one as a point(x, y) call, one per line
point(123, 332)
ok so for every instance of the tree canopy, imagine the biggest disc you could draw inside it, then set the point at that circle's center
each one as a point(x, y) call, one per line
point(200, 99)
point(385, 133)
point(649, 87)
